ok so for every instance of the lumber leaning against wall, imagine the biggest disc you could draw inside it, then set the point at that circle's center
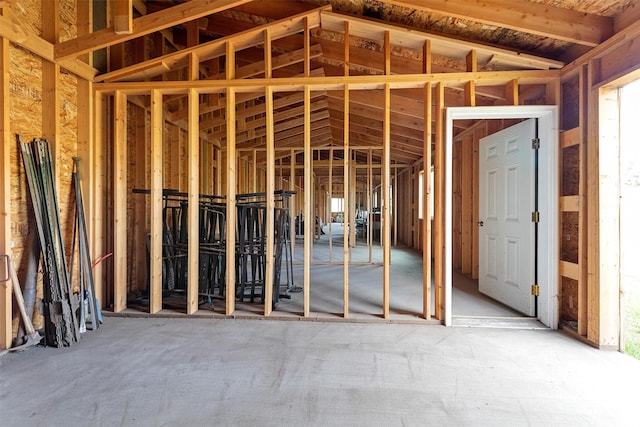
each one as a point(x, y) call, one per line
point(35, 107)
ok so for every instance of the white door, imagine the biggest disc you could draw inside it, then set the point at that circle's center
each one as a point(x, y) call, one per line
point(506, 230)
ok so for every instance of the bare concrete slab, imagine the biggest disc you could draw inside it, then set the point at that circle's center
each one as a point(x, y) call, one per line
point(205, 372)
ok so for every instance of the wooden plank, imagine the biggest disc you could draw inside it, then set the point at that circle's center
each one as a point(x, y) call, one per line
point(346, 169)
point(520, 15)
point(347, 56)
point(144, 25)
point(426, 208)
point(439, 200)
point(571, 137)
point(570, 270)
point(51, 87)
point(386, 201)
point(215, 48)
point(292, 203)
point(440, 45)
point(41, 47)
point(6, 313)
point(583, 224)
point(511, 92)
point(193, 203)
point(426, 57)
point(120, 203)
point(387, 53)
point(122, 16)
point(308, 212)
point(470, 93)
point(231, 189)
point(97, 188)
point(472, 61)
point(307, 47)
point(155, 206)
point(268, 280)
point(268, 63)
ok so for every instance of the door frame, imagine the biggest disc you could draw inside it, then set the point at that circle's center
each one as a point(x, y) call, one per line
point(548, 191)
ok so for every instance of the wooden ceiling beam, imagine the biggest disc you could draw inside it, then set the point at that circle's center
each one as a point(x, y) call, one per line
point(144, 25)
point(214, 49)
point(520, 15)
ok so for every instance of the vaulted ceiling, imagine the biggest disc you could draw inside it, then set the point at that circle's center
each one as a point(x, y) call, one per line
point(502, 35)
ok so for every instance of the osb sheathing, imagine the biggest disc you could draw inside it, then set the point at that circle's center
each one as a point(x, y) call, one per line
point(26, 119)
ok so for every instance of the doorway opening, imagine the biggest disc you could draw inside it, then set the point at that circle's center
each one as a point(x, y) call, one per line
point(545, 304)
point(629, 226)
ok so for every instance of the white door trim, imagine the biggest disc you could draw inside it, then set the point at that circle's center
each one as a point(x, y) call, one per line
point(547, 116)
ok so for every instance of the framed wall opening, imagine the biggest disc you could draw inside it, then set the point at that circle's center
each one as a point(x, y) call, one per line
point(548, 186)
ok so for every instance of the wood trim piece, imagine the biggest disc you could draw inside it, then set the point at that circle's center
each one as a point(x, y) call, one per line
point(120, 203)
point(570, 270)
point(144, 25)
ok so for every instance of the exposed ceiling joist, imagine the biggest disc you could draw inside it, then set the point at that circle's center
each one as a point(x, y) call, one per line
point(545, 20)
point(144, 25)
point(216, 48)
point(440, 45)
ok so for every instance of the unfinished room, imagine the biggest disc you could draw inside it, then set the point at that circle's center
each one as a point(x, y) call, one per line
point(422, 164)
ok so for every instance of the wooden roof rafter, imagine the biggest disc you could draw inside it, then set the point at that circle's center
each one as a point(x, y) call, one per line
point(520, 15)
point(142, 26)
point(440, 45)
point(215, 48)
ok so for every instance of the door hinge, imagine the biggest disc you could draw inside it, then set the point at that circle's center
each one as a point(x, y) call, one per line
point(535, 216)
point(535, 143)
point(535, 290)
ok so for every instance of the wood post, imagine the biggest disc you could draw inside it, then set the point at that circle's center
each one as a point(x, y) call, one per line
point(386, 212)
point(345, 190)
point(193, 201)
point(6, 314)
point(157, 173)
point(426, 208)
point(309, 220)
point(268, 279)
point(120, 203)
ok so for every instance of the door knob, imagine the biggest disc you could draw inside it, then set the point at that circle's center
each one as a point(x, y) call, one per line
point(481, 223)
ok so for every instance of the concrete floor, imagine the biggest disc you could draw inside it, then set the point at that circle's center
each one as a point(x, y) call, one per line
point(206, 372)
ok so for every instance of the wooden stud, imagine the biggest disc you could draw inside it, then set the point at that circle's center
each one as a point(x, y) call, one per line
point(472, 61)
point(268, 279)
point(122, 16)
point(370, 204)
point(395, 206)
point(470, 93)
point(583, 301)
point(387, 54)
point(386, 214)
point(307, 47)
point(6, 314)
point(194, 68)
point(51, 87)
point(308, 211)
point(439, 197)
point(346, 48)
point(426, 208)
point(97, 188)
point(345, 190)
point(268, 63)
point(231, 194)
point(329, 218)
point(157, 126)
point(120, 203)
point(426, 57)
point(511, 92)
point(193, 203)
point(292, 206)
